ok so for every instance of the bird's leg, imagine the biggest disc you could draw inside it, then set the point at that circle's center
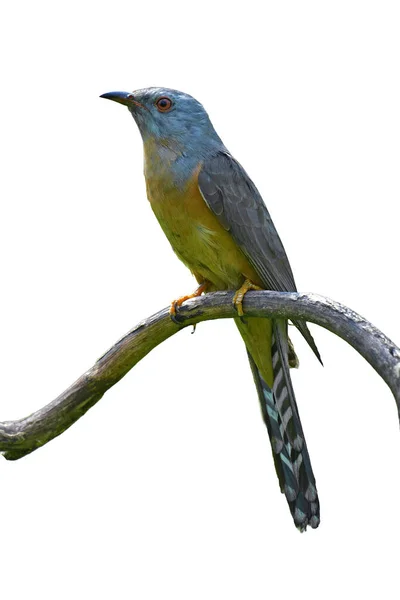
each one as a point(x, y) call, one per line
point(240, 293)
point(175, 304)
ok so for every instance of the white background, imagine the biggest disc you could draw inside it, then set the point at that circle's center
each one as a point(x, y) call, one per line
point(166, 489)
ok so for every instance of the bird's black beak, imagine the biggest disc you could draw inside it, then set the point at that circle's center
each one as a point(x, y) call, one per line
point(126, 98)
point(121, 97)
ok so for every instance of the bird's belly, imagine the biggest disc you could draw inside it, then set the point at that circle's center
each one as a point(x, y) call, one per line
point(197, 237)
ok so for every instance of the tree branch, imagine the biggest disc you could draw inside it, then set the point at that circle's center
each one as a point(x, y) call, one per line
point(18, 438)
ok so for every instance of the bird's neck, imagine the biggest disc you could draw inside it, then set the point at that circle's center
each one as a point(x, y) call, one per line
point(170, 163)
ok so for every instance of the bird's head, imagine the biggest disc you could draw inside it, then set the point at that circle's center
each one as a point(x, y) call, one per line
point(168, 116)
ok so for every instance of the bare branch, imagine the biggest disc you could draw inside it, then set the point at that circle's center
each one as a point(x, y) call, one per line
point(18, 438)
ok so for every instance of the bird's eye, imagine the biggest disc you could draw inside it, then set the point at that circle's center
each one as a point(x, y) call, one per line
point(163, 104)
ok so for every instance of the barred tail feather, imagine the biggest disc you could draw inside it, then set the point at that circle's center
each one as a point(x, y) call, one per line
point(280, 414)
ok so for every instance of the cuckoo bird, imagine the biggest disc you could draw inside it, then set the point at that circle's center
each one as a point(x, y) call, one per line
point(219, 227)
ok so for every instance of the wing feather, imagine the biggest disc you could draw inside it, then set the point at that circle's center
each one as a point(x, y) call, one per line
point(232, 196)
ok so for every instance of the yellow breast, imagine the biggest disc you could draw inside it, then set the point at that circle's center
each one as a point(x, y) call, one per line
point(196, 235)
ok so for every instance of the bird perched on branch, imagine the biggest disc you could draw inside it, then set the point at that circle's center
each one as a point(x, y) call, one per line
point(218, 225)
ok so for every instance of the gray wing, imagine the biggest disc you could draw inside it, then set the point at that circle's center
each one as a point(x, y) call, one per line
point(232, 196)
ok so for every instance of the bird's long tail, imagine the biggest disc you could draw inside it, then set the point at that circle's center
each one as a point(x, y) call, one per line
point(280, 414)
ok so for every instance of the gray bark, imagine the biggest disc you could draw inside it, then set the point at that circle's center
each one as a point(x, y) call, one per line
point(20, 437)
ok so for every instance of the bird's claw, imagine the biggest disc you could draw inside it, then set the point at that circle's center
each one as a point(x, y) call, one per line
point(173, 310)
point(173, 313)
point(240, 294)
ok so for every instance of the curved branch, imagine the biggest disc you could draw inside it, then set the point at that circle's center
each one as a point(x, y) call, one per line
point(18, 438)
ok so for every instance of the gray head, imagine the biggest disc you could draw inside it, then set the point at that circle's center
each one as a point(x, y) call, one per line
point(170, 117)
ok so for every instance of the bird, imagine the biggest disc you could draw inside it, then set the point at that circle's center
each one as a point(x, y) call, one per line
point(218, 225)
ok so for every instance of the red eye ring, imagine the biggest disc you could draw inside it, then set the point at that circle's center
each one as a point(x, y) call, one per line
point(164, 104)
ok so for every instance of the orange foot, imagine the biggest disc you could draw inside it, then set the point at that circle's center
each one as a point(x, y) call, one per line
point(238, 297)
point(177, 303)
